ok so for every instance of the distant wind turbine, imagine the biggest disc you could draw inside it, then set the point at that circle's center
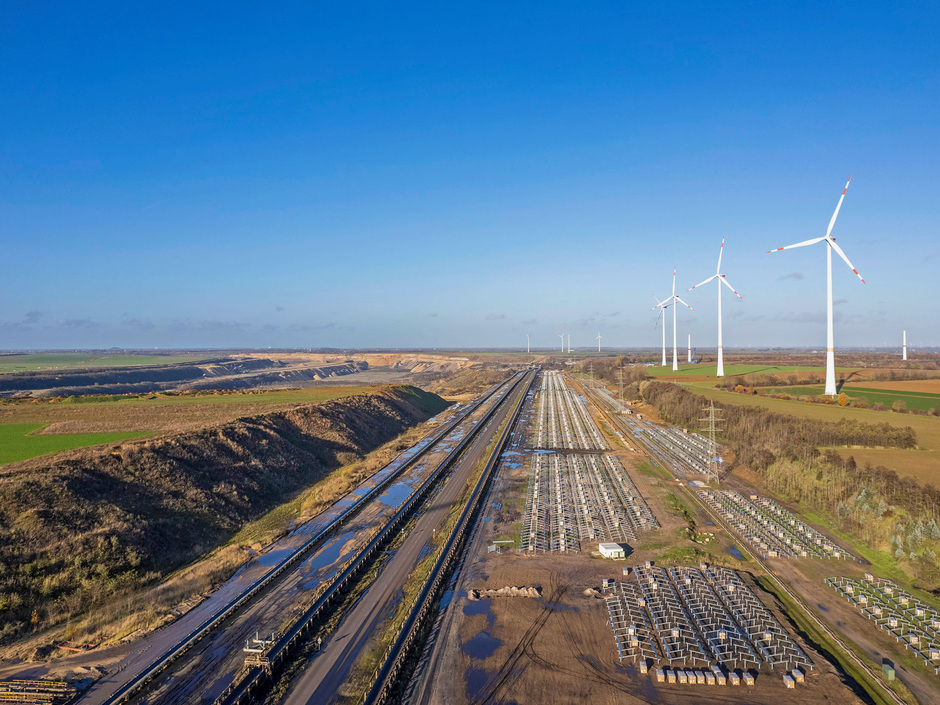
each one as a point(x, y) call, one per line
point(904, 346)
point(562, 336)
point(661, 317)
point(831, 242)
point(569, 342)
point(721, 278)
point(672, 299)
point(598, 341)
point(527, 343)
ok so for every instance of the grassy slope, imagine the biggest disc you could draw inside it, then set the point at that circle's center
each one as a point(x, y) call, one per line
point(91, 524)
point(20, 442)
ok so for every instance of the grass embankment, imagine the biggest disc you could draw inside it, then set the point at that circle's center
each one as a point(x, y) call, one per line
point(87, 530)
point(31, 362)
point(21, 442)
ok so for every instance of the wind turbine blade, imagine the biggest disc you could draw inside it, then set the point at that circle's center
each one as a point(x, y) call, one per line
point(836, 211)
point(799, 244)
point(700, 283)
point(673, 281)
point(725, 282)
point(846, 259)
point(685, 304)
point(720, 253)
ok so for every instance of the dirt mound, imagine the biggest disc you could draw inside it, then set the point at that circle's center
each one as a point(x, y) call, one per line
point(535, 591)
point(85, 525)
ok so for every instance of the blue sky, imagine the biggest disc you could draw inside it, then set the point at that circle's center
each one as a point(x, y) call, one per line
point(183, 175)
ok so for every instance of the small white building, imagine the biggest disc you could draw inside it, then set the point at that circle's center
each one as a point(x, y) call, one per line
point(611, 550)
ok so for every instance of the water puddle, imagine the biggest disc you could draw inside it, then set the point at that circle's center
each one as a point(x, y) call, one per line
point(477, 679)
point(327, 556)
point(475, 607)
point(272, 558)
point(481, 646)
point(736, 553)
point(446, 598)
point(395, 495)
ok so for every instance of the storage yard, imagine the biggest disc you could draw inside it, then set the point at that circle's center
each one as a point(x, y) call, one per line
point(913, 623)
point(773, 531)
point(697, 617)
point(537, 615)
point(576, 500)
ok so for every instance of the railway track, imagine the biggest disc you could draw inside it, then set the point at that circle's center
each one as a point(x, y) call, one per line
point(390, 672)
point(256, 677)
point(263, 585)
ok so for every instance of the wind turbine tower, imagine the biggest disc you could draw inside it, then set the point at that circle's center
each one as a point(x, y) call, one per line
point(721, 278)
point(904, 346)
point(562, 336)
point(598, 341)
point(690, 348)
point(831, 242)
point(661, 317)
point(527, 343)
point(569, 342)
point(675, 344)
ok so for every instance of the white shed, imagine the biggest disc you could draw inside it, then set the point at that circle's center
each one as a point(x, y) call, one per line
point(611, 550)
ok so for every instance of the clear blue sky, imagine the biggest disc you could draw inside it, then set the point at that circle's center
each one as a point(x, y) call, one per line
point(379, 174)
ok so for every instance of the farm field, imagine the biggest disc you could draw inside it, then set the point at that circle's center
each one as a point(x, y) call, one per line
point(705, 374)
point(923, 401)
point(922, 464)
point(160, 412)
point(730, 370)
point(31, 362)
point(20, 441)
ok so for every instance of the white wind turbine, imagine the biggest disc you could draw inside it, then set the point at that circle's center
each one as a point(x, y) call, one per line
point(721, 278)
point(662, 317)
point(569, 342)
point(598, 341)
point(831, 242)
point(675, 345)
point(527, 342)
point(562, 336)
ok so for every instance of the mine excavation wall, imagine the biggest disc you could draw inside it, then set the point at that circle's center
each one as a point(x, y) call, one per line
point(80, 526)
point(223, 374)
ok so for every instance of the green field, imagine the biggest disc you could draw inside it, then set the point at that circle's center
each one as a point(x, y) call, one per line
point(925, 401)
point(687, 370)
point(19, 442)
point(59, 361)
point(274, 396)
